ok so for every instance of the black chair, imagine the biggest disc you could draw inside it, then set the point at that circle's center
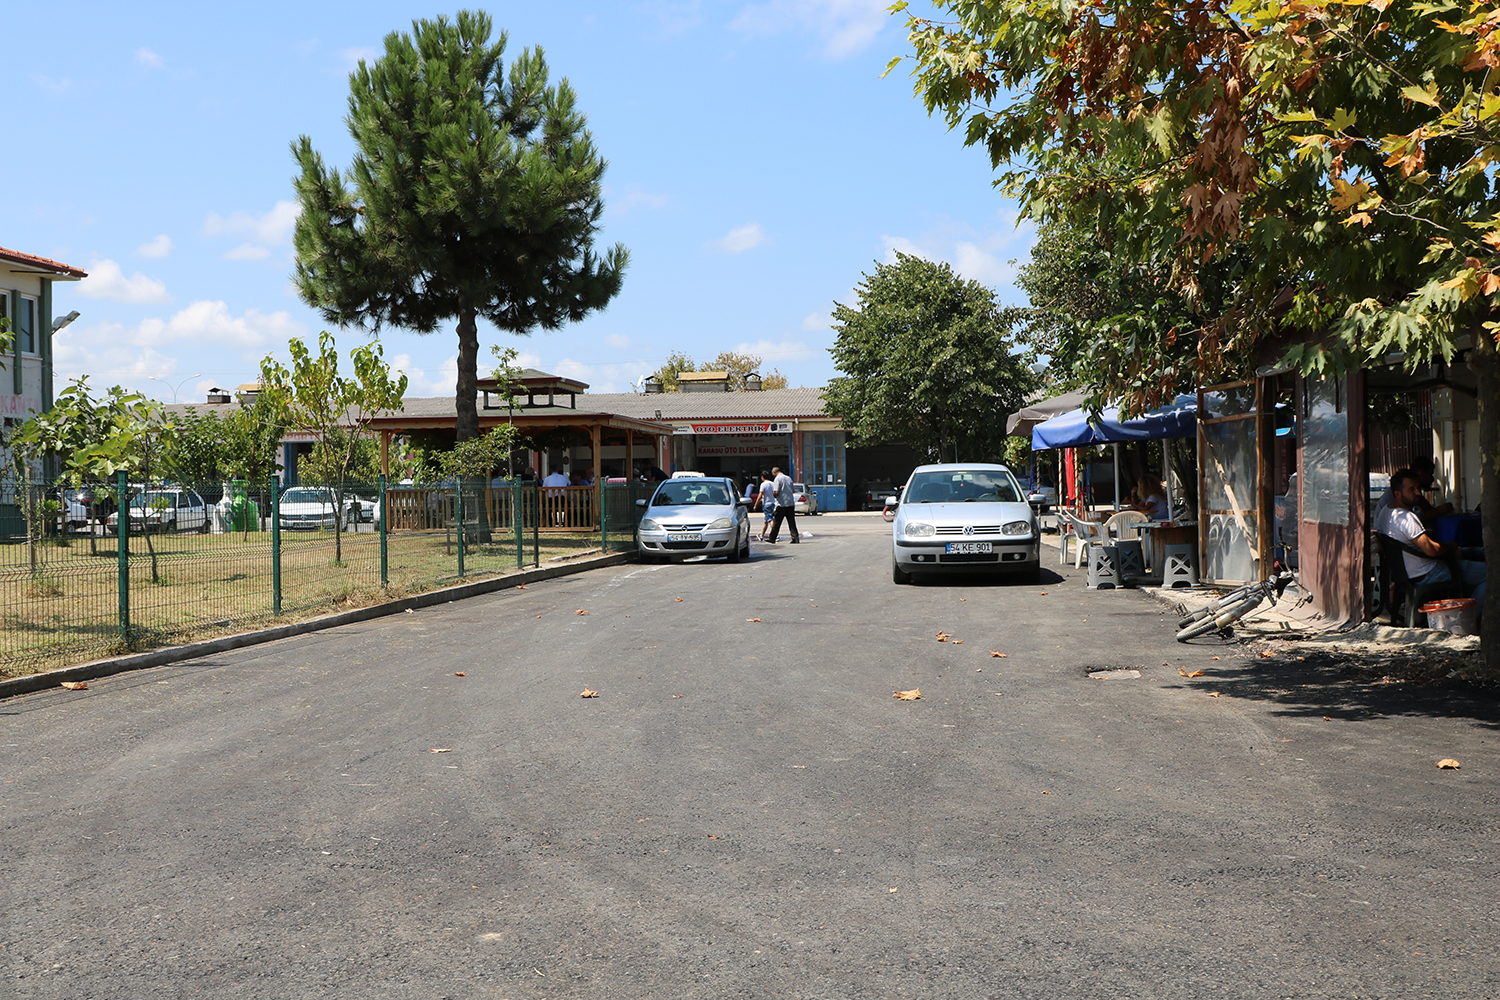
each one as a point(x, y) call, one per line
point(1402, 595)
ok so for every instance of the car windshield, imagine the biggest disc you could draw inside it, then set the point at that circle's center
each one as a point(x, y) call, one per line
point(148, 500)
point(963, 485)
point(306, 496)
point(684, 494)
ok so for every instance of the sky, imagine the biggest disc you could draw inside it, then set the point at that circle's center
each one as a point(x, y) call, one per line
point(759, 165)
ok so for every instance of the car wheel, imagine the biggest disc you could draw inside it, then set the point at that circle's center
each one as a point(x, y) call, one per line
point(899, 575)
point(734, 553)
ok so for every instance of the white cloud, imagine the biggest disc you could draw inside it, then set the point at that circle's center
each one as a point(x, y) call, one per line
point(900, 244)
point(817, 321)
point(617, 340)
point(247, 251)
point(265, 232)
point(619, 376)
point(208, 323)
point(145, 57)
point(59, 85)
point(352, 56)
point(157, 248)
point(636, 199)
point(985, 257)
point(842, 27)
point(107, 281)
point(739, 240)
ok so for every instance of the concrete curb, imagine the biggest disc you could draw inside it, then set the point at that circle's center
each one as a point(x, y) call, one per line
point(173, 654)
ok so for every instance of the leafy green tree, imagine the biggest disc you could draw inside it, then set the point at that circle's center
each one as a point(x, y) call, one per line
point(738, 365)
point(95, 439)
point(474, 192)
point(236, 444)
point(927, 358)
point(313, 396)
point(1332, 159)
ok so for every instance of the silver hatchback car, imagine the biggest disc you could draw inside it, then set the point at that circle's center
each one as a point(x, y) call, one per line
point(964, 518)
point(700, 516)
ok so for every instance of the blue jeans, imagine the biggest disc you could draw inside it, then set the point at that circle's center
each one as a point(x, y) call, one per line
point(1473, 577)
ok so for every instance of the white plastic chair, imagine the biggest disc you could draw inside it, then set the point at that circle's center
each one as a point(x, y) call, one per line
point(1123, 525)
point(1086, 533)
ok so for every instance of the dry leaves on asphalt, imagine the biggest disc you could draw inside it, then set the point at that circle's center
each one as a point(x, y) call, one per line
point(440, 750)
point(678, 600)
point(458, 673)
point(520, 586)
point(943, 636)
point(1042, 594)
point(1195, 673)
point(1213, 694)
point(580, 611)
point(1266, 654)
point(588, 693)
point(752, 619)
point(996, 652)
point(911, 695)
point(75, 685)
point(1448, 764)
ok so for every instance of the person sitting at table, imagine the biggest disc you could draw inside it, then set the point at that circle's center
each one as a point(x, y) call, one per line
point(1422, 469)
point(1400, 521)
point(1153, 498)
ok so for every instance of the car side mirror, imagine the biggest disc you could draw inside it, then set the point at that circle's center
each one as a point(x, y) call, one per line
point(892, 501)
point(640, 503)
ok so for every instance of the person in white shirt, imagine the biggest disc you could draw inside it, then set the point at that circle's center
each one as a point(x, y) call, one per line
point(1400, 521)
point(767, 501)
point(557, 478)
point(786, 506)
point(1422, 469)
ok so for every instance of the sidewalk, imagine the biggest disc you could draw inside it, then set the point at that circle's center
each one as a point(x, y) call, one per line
point(1406, 653)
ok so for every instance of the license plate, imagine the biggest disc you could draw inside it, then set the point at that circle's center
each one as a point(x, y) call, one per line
point(696, 536)
point(968, 548)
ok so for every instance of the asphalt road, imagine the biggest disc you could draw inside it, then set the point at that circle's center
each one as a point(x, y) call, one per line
point(745, 810)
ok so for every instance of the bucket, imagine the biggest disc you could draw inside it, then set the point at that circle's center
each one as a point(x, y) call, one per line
point(1456, 615)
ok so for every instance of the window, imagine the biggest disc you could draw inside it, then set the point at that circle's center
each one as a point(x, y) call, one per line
point(26, 325)
point(823, 458)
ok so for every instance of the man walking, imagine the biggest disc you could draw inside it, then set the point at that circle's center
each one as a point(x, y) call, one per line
point(786, 502)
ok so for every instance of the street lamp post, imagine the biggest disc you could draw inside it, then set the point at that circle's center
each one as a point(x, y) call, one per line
point(179, 385)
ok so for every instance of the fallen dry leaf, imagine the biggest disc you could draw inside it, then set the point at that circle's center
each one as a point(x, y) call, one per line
point(1448, 764)
point(539, 616)
point(440, 750)
point(588, 693)
point(752, 619)
point(1182, 672)
point(520, 586)
point(996, 652)
point(1213, 657)
point(580, 611)
point(943, 637)
point(1196, 673)
point(678, 600)
point(958, 642)
point(1045, 792)
point(1213, 694)
point(1266, 654)
point(713, 836)
point(963, 598)
point(1327, 718)
point(75, 685)
point(911, 695)
point(1042, 594)
point(677, 696)
point(458, 673)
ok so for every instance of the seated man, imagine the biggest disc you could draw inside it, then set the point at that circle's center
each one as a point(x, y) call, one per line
point(1423, 470)
point(1400, 521)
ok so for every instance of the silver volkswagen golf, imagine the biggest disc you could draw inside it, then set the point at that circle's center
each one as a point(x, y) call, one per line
point(695, 516)
point(964, 517)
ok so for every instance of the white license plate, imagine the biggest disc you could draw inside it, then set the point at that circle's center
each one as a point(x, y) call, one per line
point(696, 536)
point(968, 548)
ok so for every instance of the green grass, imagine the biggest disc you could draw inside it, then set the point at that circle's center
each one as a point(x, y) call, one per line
point(67, 610)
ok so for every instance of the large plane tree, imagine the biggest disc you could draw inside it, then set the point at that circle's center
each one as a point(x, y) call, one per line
point(474, 192)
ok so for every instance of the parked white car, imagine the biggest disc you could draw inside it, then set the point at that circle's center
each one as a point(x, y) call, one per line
point(804, 500)
point(308, 508)
point(964, 518)
point(166, 508)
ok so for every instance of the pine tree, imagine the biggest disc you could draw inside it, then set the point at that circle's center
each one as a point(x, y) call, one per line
point(474, 192)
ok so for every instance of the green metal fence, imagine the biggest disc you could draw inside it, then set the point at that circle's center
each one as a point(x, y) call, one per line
point(78, 582)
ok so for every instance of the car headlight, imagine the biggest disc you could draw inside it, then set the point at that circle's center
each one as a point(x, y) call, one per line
point(1016, 528)
point(919, 529)
point(720, 524)
point(647, 524)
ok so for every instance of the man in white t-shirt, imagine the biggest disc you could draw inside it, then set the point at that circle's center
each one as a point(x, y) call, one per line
point(1400, 521)
point(786, 506)
point(557, 478)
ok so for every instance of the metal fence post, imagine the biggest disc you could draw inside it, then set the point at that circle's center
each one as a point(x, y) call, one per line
point(275, 550)
point(458, 515)
point(516, 516)
point(122, 547)
point(536, 527)
point(384, 515)
point(604, 518)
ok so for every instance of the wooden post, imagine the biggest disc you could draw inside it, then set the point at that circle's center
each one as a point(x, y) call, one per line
point(596, 435)
point(385, 454)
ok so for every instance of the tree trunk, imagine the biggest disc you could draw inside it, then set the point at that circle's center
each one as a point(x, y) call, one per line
point(1484, 359)
point(467, 424)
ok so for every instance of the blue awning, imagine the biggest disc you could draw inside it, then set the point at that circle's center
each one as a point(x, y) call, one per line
point(1075, 430)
